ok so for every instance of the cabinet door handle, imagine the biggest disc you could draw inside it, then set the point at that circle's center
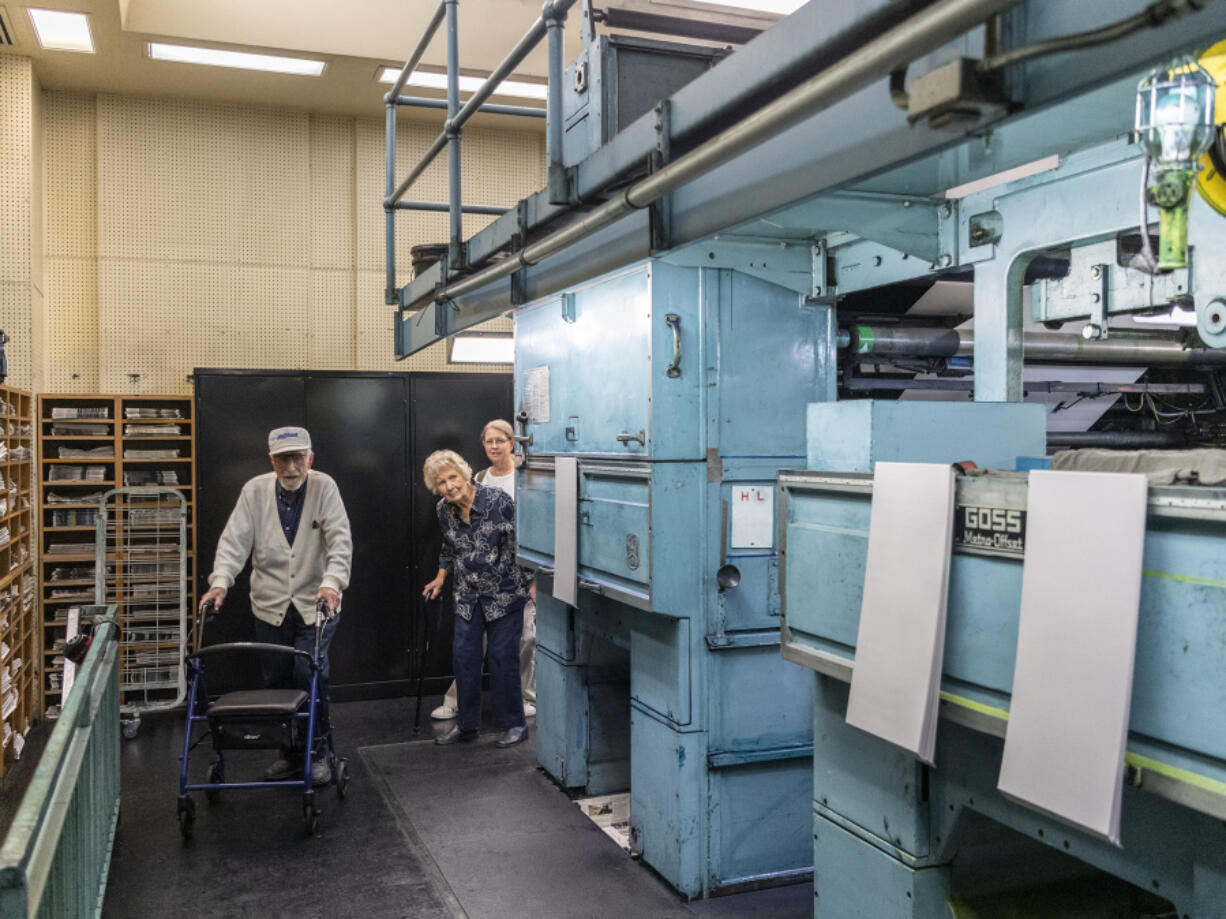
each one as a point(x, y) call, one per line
point(594, 586)
point(674, 369)
point(625, 438)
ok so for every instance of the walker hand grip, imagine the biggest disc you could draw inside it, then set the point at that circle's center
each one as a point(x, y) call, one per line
point(321, 607)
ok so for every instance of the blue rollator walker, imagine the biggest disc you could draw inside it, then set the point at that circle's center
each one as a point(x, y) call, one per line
point(261, 719)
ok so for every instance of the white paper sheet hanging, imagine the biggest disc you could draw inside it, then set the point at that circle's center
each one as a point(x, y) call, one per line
point(565, 530)
point(895, 685)
point(1072, 682)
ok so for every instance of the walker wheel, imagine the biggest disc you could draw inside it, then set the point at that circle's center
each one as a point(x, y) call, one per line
point(131, 728)
point(342, 777)
point(310, 818)
point(187, 815)
point(215, 776)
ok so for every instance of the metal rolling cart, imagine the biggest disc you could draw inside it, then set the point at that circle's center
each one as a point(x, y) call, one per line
point(141, 567)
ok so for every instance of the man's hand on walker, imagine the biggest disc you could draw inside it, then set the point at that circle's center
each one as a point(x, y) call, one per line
point(330, 597)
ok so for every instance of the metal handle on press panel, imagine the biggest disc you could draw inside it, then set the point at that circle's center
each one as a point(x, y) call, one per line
point(625, 438)
point(594, 586)
point(674, 369)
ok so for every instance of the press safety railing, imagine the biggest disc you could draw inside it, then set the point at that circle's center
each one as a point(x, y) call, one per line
point(548, 24)
point(55, 857)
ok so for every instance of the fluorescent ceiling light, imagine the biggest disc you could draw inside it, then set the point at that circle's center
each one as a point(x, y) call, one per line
point(59, 31)
point(782, 7)
point(467, 84)
point(1177, 315)
point(483, 349)
point(242, 60)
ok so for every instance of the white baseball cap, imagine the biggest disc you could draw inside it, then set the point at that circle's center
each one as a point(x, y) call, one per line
point(287, 440)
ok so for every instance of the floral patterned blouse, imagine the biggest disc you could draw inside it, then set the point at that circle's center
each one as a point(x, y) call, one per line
point(480, 554)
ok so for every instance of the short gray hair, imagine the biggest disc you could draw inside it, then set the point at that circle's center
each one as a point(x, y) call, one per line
point(438, 462)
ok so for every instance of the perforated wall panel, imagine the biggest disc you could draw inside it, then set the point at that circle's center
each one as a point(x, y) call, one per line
point(333, 324)
point(17, 289)
point(70, 158)
point(333, 208)
point(187, 181)
point(70, 155)
point(72, 320)
point(15, 168)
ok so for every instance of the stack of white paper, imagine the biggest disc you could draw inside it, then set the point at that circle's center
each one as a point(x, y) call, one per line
point(896, 682)
point(1072, 684)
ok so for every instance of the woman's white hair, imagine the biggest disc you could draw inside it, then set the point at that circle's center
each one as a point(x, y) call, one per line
point(439, 462)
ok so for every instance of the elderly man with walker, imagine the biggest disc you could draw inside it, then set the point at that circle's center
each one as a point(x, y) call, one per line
point(292, 523)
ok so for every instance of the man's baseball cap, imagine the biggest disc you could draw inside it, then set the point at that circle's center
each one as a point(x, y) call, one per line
point(287, 440)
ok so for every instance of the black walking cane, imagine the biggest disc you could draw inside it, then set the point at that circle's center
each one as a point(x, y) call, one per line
point(421, 665)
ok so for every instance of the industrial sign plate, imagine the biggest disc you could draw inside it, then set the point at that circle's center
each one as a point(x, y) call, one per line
point(990, 530)
point(535, 395)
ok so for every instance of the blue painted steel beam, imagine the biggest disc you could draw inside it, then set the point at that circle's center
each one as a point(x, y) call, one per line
point(866, 135)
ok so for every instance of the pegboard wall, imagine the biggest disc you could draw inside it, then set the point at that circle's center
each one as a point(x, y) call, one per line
point(70, 158)
point(21, 289)
point(186, 235)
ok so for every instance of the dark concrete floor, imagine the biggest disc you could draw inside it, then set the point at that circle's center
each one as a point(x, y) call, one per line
point(425, 832)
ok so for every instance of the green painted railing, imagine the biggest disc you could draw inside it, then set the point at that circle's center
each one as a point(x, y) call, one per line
point(56, 854)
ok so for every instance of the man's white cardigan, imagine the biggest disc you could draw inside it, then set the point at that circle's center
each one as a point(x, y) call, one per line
point(281, 573)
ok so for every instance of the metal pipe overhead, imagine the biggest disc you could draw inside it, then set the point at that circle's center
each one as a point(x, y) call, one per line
point(556, 10)
point(455, 122)
point(914, 37)
point(1151, 349)
point(525, 111)
point(390, 295)
point(487, 209)
point(411, 64)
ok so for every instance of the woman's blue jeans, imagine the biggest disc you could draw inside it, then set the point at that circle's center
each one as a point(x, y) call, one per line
point(502, 650)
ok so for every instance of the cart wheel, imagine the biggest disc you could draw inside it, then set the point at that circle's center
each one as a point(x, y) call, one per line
point(216, 775)
point(310, 818)
point(342, 777)
point(187, 816)
point(131, 728)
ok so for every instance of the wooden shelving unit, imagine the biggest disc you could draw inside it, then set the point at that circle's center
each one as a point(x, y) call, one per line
point(20, 697)
point(88, 445)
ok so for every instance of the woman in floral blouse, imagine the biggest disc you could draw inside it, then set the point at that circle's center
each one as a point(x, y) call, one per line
point(490, 590)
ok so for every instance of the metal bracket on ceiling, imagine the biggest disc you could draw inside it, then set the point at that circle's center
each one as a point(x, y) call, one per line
point(519, 289)
point(822, 290)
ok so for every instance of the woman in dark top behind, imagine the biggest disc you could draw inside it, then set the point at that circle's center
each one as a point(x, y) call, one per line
point(490, 590)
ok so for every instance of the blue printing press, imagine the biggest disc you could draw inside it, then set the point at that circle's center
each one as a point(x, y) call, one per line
point(685, 367)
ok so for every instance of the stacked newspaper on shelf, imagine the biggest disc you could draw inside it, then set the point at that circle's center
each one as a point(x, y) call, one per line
point(92, 497)
point(80, 430)
point(77, 474)
point(106, 451)
point(152, 430)
point(143, 412)
point(150, 477)
point(80, 411)
point(169, 453)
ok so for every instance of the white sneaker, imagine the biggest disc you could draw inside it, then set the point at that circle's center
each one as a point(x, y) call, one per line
point(529, 710)
point(444, 713)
